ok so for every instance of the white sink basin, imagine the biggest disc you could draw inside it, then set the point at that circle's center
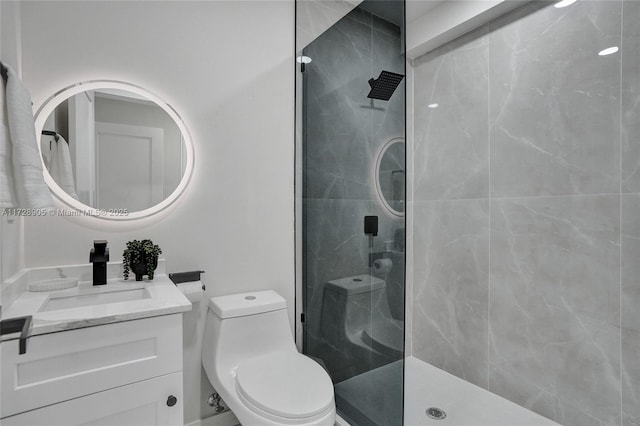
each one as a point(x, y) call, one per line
point(87, 305)
point(55, 303)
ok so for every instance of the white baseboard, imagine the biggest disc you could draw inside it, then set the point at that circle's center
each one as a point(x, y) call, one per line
point(224, 419)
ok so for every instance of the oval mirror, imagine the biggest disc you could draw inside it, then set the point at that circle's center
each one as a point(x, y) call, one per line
point(389, 176)
point(113, 150)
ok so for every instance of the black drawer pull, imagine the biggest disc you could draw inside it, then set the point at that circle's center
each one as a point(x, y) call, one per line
point(171, 401)
point(14, 325)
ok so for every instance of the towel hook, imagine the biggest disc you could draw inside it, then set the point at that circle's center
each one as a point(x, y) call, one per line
point(51, 133)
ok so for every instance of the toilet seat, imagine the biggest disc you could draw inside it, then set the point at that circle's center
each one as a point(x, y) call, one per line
point(284, 384)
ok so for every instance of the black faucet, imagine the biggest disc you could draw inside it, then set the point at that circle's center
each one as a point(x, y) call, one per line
point(99, 256)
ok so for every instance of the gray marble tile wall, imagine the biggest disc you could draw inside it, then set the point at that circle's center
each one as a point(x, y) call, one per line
point(630, 241)
point(343, 133)
point(630, 214)
point(527, 210)
point(313, 17)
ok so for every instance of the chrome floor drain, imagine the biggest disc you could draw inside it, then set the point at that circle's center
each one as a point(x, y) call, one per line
point(436, 413)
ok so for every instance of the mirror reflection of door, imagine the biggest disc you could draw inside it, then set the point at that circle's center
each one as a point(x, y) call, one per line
point(129, 172)
point(125, 152)
point(81, 127)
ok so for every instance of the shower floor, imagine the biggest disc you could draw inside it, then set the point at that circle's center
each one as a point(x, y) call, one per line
point(465, 404)
point(426, 386)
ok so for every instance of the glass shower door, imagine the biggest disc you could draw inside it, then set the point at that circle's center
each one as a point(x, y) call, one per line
point(350, 199)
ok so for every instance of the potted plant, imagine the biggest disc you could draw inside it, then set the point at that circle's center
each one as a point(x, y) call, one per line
point(141, 257)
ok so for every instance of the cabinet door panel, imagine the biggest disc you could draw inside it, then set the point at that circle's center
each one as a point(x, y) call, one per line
point(70, 364)
point(139, 404)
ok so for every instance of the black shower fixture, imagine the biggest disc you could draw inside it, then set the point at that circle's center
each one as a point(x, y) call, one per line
point(383, 87)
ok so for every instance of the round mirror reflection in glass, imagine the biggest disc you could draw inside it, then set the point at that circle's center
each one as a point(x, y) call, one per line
point(115, 148)
point(389, 176)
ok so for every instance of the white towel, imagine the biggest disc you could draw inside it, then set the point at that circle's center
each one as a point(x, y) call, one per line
point(26, 176)
point(60, 167)
point(7, 195)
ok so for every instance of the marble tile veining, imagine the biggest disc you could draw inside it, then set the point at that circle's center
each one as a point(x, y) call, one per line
point(563, 142)
point(162, 297)
point(451, 286)
point(630, 265)
point(344, 132)
point(313, 17)
point(630, 378)
point(565, 250)
point(387, 116)
point(630, 240)
point(386, 27)
point(526, 392)
point(555, 304)
point(555, 103)
point(631, 96)
point(339, 56)
point(451, 157)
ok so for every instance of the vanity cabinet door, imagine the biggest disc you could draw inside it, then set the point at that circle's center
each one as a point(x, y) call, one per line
point(61, 366)
point(153, 402)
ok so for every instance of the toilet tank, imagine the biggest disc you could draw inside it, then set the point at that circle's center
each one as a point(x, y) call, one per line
point(348, 305)
point(245, 324)
point(244, 304)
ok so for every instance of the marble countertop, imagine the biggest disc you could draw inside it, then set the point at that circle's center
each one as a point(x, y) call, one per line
point(156, 297)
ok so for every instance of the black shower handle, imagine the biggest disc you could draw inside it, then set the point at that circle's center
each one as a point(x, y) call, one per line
point(371, 225)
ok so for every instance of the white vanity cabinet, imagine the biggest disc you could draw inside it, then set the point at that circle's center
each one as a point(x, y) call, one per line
point(124, 373)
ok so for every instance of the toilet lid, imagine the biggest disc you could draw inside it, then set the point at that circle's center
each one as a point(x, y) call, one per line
point(285, 384)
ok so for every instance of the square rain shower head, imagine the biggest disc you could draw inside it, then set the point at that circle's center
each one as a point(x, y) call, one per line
point(385, 85)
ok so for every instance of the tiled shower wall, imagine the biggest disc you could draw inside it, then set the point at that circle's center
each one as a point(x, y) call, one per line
point(527, 210)
point(344, 131)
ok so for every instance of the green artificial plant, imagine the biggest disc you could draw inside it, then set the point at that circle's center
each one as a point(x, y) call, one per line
point(144, 252)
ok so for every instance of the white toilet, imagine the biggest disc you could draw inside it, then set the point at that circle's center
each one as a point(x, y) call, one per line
point(251, 360)
point(356, 319)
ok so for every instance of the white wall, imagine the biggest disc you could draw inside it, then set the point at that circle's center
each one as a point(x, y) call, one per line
point(227, 68)
point(9, 34)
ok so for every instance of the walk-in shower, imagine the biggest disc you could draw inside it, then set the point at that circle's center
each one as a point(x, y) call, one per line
point(520, 224)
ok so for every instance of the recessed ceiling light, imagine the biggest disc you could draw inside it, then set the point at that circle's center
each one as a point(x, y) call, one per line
point(608, 51)
point(303, 59)
point(564, 3)
point(433, 105)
